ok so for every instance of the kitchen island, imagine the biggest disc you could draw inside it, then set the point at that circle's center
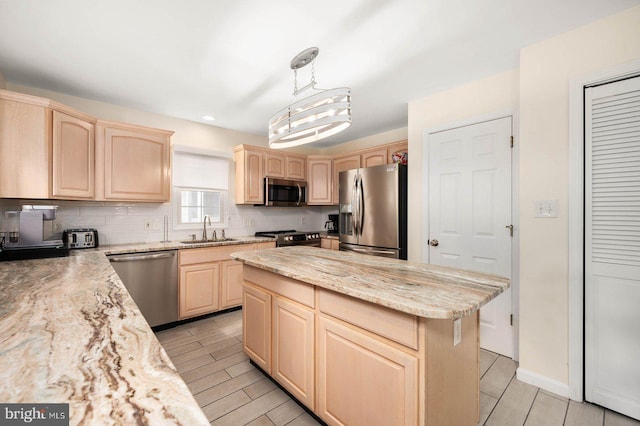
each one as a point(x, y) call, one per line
point(367, 340)
point(71, 333)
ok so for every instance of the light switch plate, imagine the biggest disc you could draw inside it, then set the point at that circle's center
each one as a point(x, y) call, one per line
point(457, 331)
point(546, 208)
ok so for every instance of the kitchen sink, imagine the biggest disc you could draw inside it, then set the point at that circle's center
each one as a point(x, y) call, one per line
point(217, 240)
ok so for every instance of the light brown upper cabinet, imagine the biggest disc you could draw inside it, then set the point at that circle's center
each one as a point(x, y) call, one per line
point(286, 166)
point(320, 182)
point(73, 144)
point(375, 157)
point(275, 165)
point(340, 165)
point(135, 162)
point(295, 167)
point(52, 151)
point(401, 147)
point(25, 137)
point(249, 175)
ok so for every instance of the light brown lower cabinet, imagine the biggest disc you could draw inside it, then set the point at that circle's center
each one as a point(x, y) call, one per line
point(293, 349)
point(209, 280)
point(230, 284)
point(362, 380)
point(330, 243)
point(199, 289)
point(256, 326)
point(367, 364)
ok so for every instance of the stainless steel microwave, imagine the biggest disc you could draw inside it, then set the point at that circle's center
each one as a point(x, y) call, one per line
point(285, 193)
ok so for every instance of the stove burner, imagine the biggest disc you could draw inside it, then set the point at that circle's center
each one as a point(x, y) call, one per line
point(292, 238)
point(273, 233)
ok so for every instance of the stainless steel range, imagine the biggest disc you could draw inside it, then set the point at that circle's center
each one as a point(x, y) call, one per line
point(292, 238)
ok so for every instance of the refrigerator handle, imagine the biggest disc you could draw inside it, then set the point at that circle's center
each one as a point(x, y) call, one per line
point(360, 205)
point(354, 206)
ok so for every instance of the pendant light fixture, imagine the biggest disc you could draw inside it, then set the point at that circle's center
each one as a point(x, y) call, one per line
point(320, 115)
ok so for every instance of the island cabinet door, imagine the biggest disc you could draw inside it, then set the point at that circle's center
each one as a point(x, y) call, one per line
point(293, 349)
point(256, 326)
point(362, 380)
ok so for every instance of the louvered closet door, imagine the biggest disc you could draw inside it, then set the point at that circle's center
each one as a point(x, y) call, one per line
point(612, 246)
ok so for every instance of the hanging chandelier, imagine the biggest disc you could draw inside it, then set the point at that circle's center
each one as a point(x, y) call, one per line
point(318, 116)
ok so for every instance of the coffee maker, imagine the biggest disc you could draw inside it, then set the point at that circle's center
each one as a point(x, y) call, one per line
point(23, 236)
point(332, 224)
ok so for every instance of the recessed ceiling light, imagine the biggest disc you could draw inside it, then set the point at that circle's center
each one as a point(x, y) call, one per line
point(208, 118)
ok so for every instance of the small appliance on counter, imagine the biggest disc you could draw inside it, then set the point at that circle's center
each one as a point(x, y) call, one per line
point(332, 224)
point(80, 238)
point(24, 235)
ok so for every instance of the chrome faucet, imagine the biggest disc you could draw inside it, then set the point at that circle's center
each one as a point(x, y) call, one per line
point(223, 234)
point(204, 227)
point(215, 237)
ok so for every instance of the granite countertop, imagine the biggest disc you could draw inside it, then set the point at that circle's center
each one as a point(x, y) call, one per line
point(424, 290)
point(70, 333)
point(177, 245)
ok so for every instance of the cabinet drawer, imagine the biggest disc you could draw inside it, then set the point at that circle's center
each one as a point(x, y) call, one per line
point(287, 287)
point(211, 254)
point(397, 326)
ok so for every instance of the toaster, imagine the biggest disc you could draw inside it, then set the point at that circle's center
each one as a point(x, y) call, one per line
point(80, 238)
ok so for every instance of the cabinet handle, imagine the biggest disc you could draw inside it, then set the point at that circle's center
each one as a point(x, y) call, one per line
point(142, 257)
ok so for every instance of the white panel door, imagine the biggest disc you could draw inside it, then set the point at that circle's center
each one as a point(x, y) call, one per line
point(470, 213)
point(612, 246)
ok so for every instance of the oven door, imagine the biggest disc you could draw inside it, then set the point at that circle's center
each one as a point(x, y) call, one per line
point(285, 193)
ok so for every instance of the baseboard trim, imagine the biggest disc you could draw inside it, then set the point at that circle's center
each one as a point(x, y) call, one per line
point(543, 382)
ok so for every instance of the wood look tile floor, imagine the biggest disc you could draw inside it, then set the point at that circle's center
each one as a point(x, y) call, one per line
point(208, 355)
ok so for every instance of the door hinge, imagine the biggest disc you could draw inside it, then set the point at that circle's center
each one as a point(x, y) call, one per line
point(510, 227)
point(511, 141)
point(511, 319)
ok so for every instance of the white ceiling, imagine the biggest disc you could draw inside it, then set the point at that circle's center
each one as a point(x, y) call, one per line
point(230, 59)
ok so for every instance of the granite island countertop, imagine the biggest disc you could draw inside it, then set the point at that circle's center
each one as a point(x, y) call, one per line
point(420, 289)
point(71, 333)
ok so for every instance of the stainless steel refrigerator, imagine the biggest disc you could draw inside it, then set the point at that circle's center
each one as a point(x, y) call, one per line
point(373, 210)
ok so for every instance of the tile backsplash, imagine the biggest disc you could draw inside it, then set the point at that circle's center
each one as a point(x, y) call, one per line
point(119, 223)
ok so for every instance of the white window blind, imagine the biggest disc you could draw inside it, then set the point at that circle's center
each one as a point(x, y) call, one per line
point(201, 182)
point(193, 170)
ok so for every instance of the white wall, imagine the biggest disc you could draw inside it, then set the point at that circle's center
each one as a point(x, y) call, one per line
point(369, 141)
point(539, 92)
point(494, 94)
point(3, 82)
point(545, 71)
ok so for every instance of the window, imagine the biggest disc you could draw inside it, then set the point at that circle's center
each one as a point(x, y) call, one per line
point(195, 204)
point(200, 186)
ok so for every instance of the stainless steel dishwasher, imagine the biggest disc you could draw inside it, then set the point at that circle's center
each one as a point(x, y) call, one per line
point(152, 281)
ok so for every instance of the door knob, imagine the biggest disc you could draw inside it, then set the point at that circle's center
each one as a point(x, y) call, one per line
point(434, 243)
